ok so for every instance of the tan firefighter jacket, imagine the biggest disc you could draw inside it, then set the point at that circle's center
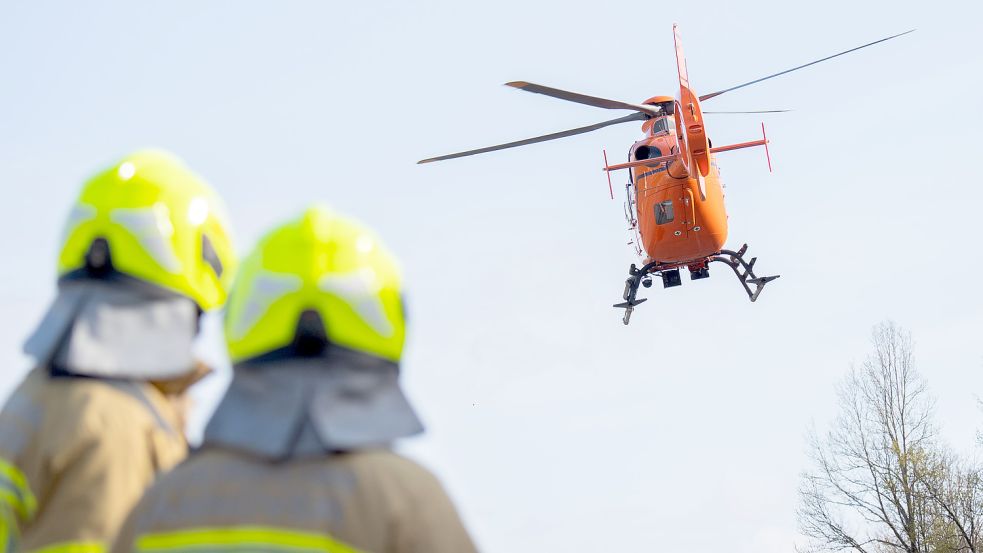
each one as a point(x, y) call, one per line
point(76, 454)
point(370, 501)
point(296, 459)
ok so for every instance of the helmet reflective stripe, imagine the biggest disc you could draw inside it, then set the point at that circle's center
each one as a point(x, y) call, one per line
point(266, 289)
point(252, 538)
point(79, 214)
point(152, 227)
point(360, 290)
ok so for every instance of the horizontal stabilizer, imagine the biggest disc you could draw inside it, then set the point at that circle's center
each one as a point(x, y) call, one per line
point(653, 162)
point(730, 147)
point(746, 112)
point(751, 144)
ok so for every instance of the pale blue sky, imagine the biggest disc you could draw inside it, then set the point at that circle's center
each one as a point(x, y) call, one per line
point(553, 426)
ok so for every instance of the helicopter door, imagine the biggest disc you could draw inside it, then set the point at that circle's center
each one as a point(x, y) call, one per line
point(672, 210)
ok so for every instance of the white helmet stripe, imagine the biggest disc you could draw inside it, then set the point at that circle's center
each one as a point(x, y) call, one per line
point(360, 290)
point(79, 214)
point(266, 288)
point(152, 227)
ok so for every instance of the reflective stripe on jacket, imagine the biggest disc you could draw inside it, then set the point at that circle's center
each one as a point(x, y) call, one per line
point(76, 454)
point(254, 537)
point(370, 501)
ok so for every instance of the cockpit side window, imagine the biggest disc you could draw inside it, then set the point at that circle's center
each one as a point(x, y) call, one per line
point(647, 152)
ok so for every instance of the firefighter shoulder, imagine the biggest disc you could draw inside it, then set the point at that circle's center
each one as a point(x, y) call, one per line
point(297, 455)
point(145, 250)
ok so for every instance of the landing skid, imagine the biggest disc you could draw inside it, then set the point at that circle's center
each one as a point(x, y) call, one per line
point(669, 272)
point(736, 262)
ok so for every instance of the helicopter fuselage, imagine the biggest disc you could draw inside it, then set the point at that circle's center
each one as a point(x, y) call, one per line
point(675, 206)
point(679, 220)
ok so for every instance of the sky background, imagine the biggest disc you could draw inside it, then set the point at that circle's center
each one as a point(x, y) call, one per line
point(553, 426)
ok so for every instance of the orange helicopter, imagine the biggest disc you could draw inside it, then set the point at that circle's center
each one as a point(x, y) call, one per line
point(675, 201)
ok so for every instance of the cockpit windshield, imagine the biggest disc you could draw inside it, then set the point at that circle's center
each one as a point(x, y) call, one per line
point(663, 124)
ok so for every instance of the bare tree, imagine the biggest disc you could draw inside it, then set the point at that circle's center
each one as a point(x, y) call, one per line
point(866, 490)
point(956, 489)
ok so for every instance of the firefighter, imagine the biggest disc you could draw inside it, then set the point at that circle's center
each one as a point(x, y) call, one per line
point(297, 456)
point(146, 249)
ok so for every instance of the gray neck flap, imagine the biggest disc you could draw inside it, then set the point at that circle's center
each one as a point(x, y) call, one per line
point(110, 330)
point(295, 407)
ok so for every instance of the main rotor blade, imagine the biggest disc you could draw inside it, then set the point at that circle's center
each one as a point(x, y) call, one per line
point(719, 92)
point(582, 98)
point(758, 111)
point(544, 138)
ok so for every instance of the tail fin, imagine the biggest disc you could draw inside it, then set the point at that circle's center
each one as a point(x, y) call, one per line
point(689, 116)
